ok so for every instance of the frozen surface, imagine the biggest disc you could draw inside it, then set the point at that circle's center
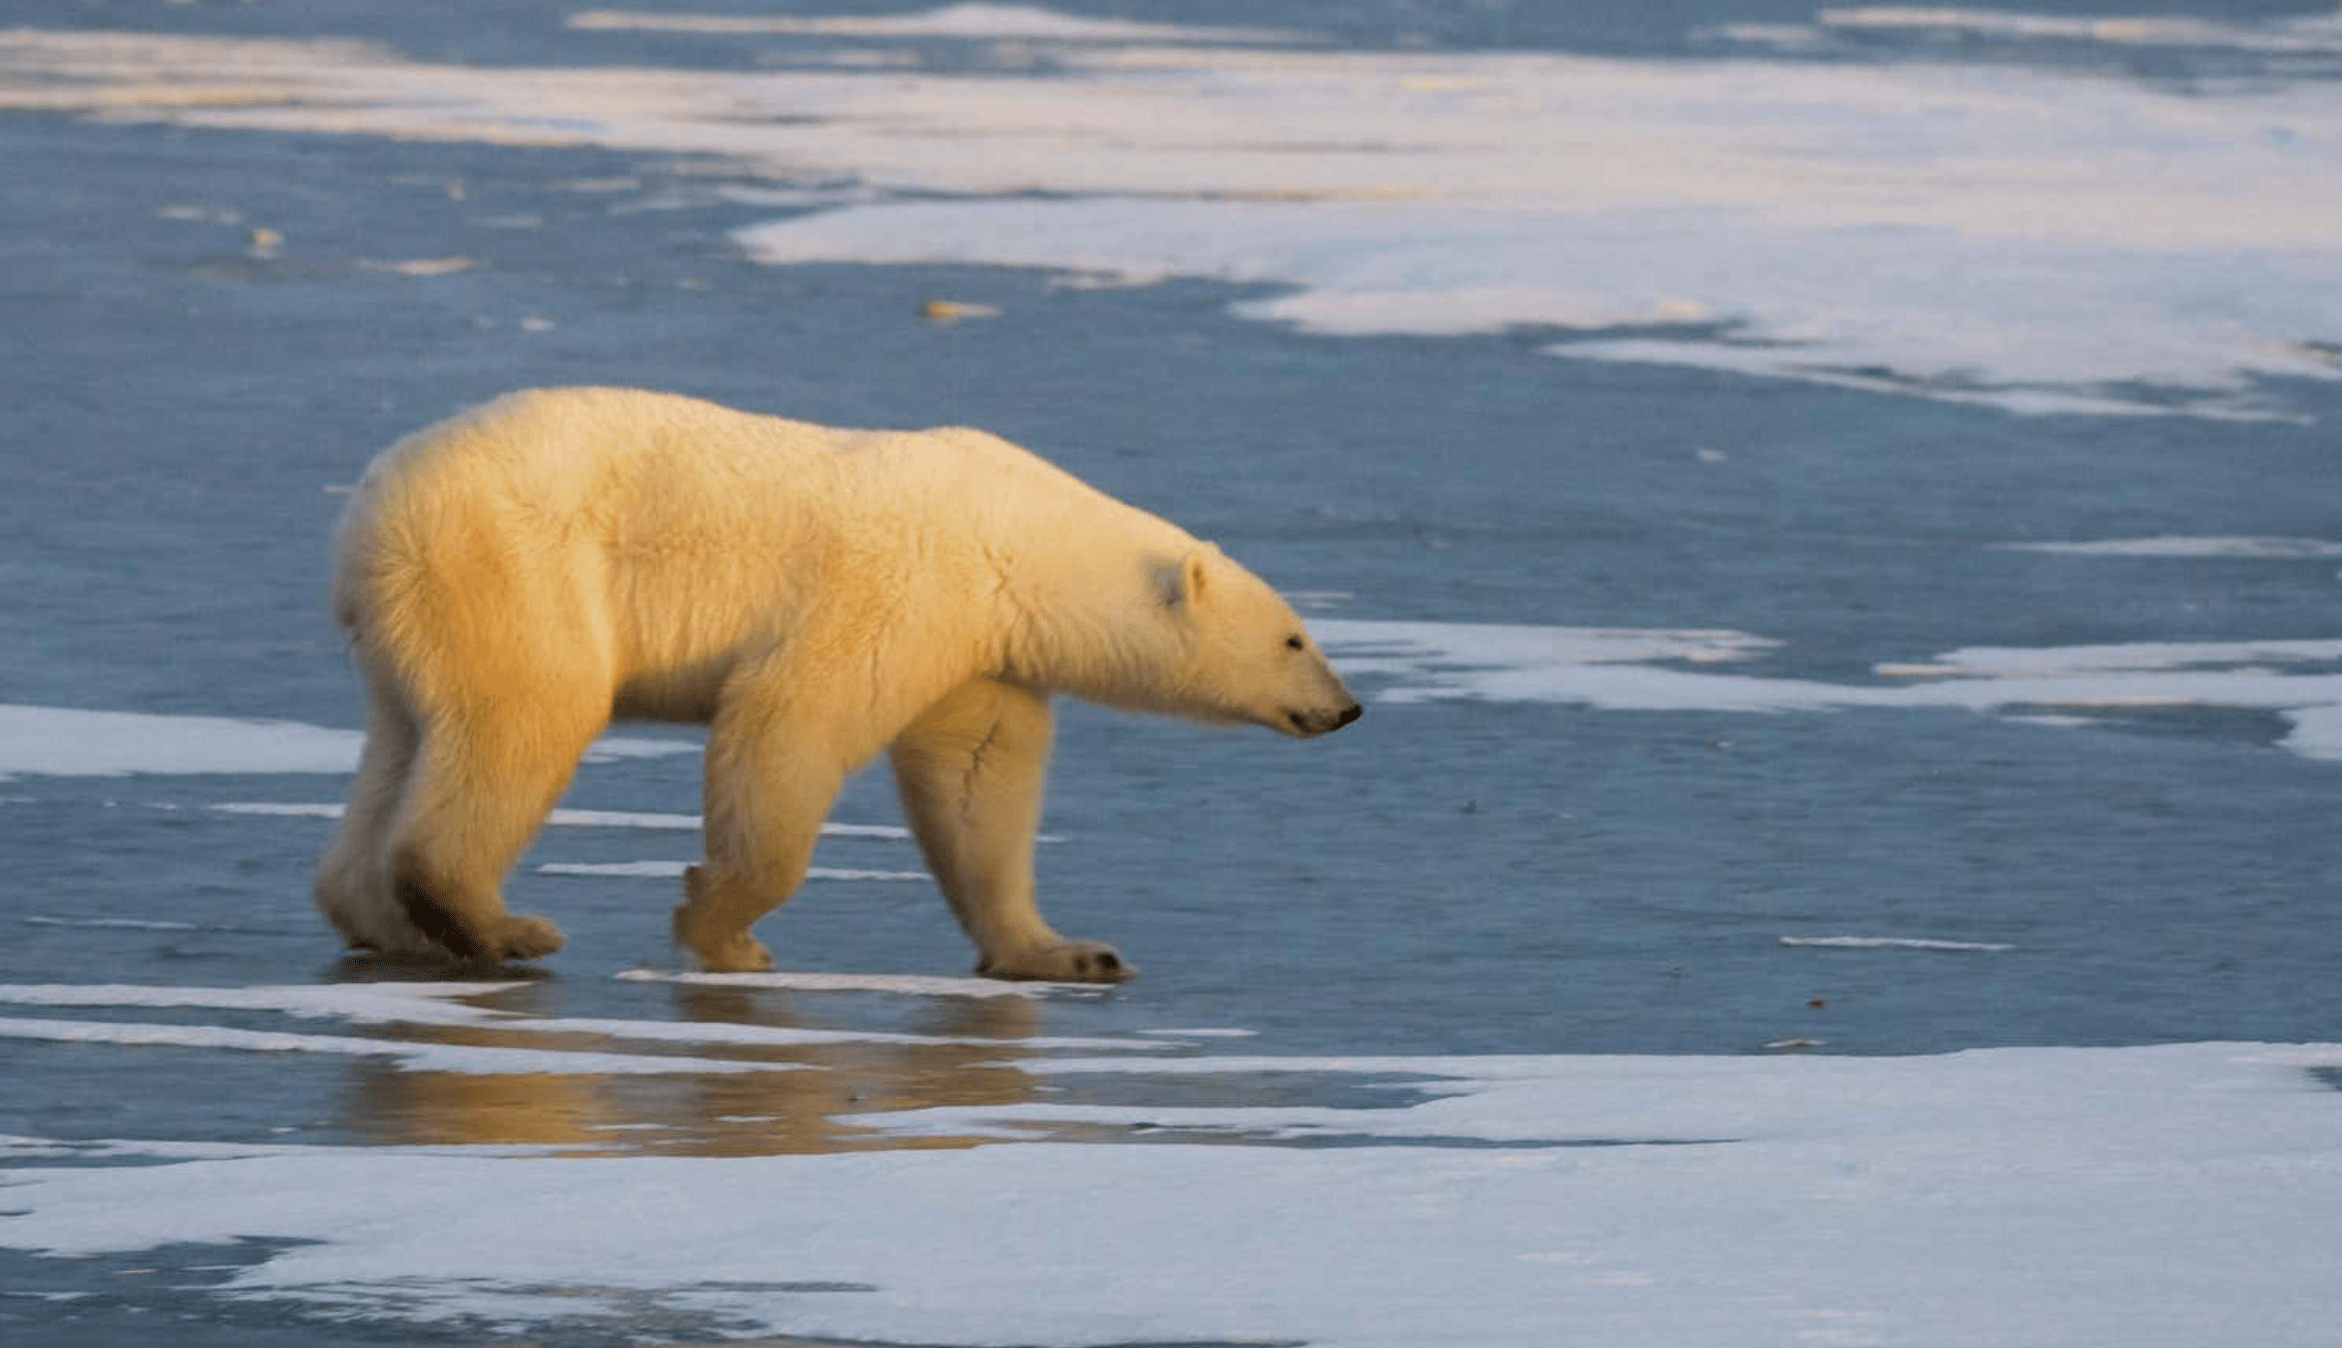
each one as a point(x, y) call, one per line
point(2046, 241)
point(2148, 1195)
point(1807, 686)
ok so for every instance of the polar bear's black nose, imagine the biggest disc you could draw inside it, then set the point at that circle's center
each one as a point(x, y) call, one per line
point(1323, 723)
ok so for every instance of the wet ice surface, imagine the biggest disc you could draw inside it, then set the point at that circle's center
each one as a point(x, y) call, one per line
point(1830, 511)
point(833, 1186)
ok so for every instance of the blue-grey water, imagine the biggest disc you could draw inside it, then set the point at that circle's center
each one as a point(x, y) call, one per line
point(1451, 875)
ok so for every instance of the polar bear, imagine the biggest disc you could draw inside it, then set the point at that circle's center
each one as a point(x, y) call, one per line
point(515, 578)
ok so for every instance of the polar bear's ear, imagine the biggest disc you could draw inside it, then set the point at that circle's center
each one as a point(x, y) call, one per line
point(1182, 578)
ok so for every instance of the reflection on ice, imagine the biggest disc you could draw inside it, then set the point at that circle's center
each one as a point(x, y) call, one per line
point(410, 1056)
point(909, 985)
point(1660, 1201)
point(450, 1063)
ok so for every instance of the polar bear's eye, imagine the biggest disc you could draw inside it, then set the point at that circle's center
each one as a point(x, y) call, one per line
point(1293, 643)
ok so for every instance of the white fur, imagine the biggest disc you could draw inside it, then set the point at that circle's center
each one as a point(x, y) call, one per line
point(515, 578)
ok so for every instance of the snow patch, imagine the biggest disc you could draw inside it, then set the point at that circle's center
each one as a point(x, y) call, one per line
point(124, 923)
point(1893, 943)
point(1662, 671)
point(974, 22)
point(67, 742)
point(661, 870)
point(71, 742)
point(568, 818)
point(2188, 547)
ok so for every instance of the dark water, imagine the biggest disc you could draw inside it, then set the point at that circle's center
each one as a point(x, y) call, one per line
point(1445, 877)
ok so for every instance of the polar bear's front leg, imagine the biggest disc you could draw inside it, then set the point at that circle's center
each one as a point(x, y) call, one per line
point(970, 771)
point(768, 784)
point(712, 923)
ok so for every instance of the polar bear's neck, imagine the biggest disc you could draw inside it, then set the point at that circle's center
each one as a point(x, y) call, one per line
point(1082, 578)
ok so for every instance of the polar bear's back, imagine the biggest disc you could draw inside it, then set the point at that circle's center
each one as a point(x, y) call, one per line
point(658, 532)
point(662, 462)
point(569, 451)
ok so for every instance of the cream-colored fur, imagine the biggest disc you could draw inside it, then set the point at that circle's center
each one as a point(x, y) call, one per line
point(515, 578)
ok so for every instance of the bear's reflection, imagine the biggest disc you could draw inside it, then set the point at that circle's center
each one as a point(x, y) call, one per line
point(796, 1108)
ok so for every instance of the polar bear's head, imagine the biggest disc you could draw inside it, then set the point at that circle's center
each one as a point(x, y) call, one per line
point(1178, 629)
point(1243, 654)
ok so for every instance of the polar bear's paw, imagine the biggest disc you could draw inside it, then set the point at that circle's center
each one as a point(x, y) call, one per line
point(741, 954)
point(1065, 962)
point(527, 937)
point(712, 923)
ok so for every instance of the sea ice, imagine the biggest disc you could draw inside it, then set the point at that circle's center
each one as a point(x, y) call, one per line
point(2046, 238)
point(2149, 1195)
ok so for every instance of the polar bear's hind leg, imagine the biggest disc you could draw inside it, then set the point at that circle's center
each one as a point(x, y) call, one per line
point(353, 885)
point(479, 790)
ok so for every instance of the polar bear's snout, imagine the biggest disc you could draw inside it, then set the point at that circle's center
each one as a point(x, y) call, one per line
point(1323, 722)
